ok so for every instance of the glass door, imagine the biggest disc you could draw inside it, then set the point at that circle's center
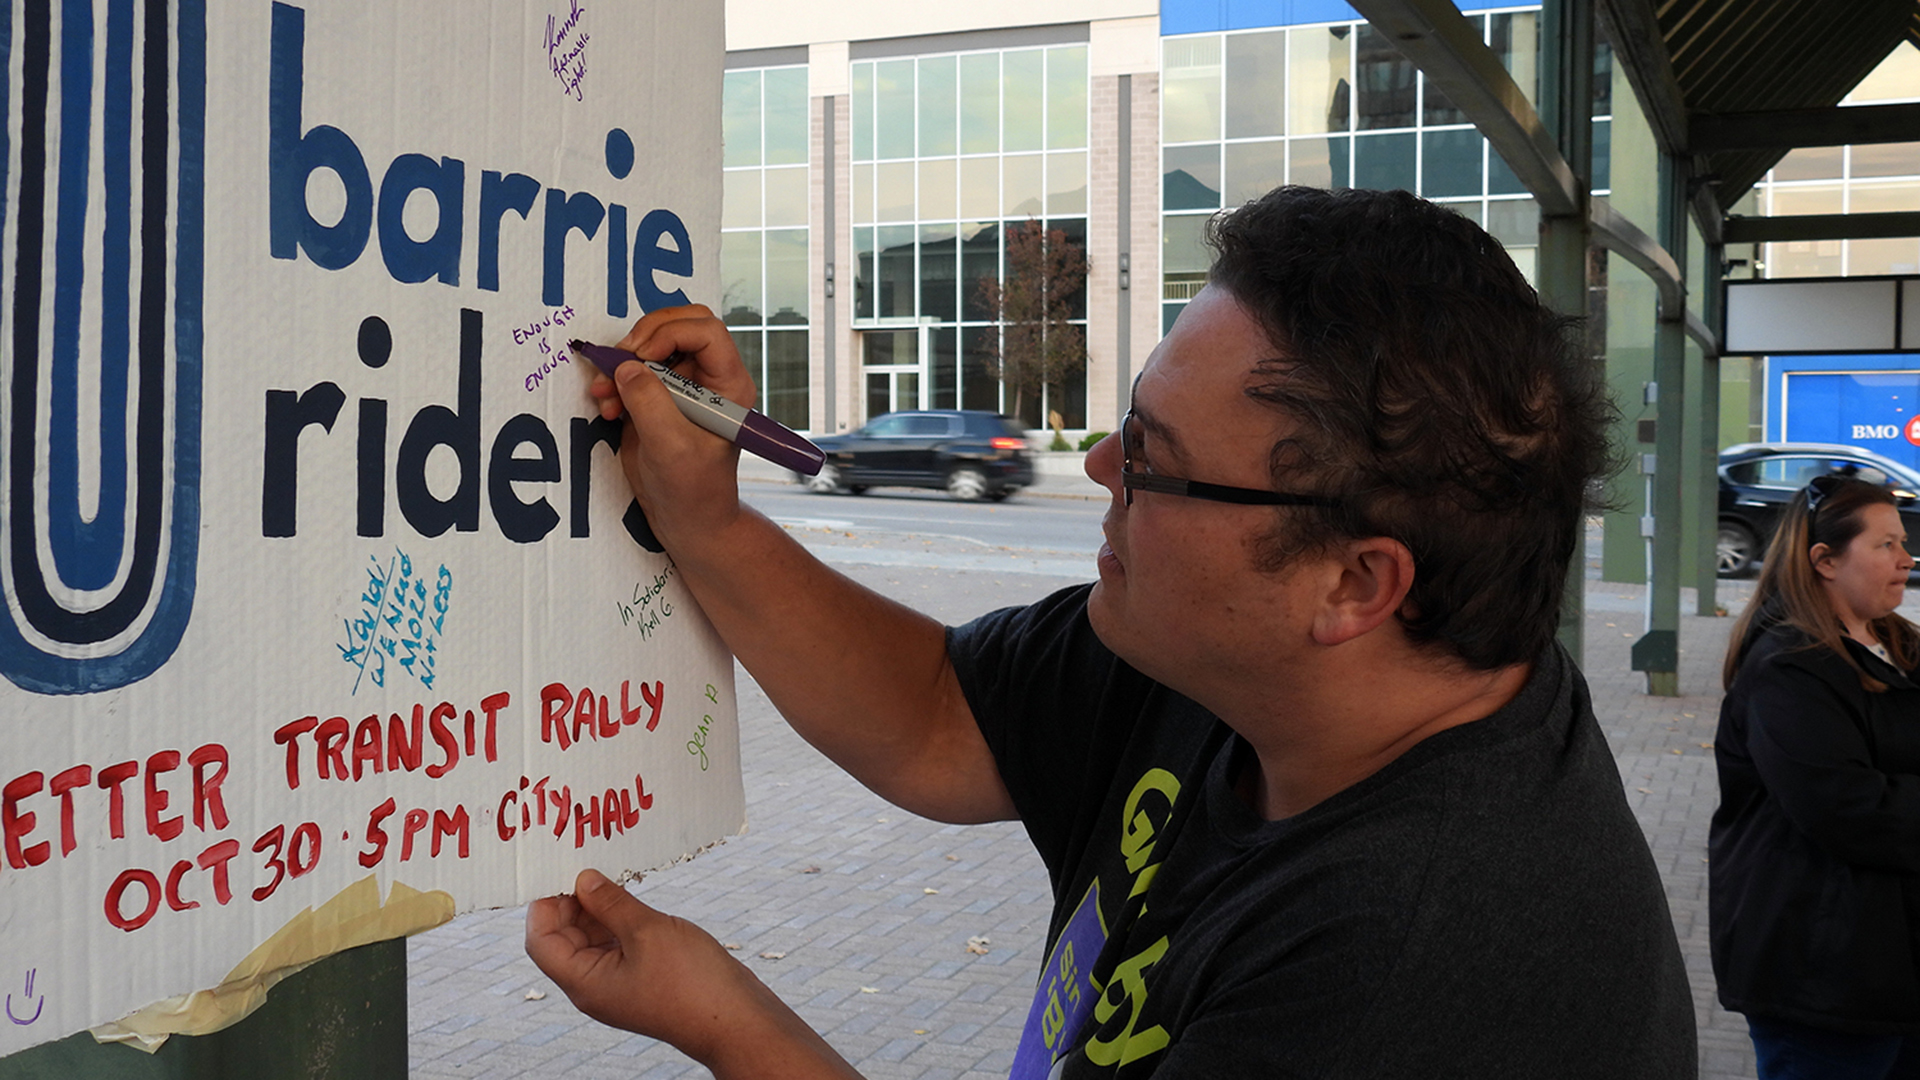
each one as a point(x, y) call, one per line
point(895, 364)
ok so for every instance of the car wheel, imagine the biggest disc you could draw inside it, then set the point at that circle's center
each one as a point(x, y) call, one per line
point(1735, 549)
point(857, 489)
point(999, 494)
point(966, 484)
point(824, 482)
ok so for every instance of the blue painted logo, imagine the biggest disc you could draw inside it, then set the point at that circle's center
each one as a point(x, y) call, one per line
point(100, 337)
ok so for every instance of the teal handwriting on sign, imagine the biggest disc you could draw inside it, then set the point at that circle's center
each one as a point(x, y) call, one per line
point(397, 621)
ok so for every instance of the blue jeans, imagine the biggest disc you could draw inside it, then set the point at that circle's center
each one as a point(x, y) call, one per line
point(1784, 1050)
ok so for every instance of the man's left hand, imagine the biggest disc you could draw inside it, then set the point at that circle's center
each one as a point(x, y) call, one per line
point(630, 966)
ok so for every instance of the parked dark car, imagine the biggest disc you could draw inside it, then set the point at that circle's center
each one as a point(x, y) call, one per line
point(971, 454)
point(1757, 479)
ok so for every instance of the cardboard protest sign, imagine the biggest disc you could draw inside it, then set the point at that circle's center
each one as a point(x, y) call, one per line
point(328, 611)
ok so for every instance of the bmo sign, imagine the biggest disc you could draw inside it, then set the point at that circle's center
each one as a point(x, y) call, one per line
point(1888, 431)
point(1909, 431)
point(1848, 403)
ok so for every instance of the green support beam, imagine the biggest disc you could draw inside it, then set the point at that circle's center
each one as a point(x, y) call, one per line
point(1787, 129)
point(1445, 46)
point(1657, 651)
point(1897, 224)
point(1615, 233)
point(1566, 105)
point(1706, 431)
point(344, 1018)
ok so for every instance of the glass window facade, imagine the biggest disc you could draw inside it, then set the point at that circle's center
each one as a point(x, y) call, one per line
point(1881, 178)
point(949, 151)
point(763, 233)
point(1335, 105)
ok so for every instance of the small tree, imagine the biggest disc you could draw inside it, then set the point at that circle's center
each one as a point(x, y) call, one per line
point(1038, 346)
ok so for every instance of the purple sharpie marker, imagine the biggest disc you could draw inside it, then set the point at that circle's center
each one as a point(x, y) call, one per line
point(749, 429)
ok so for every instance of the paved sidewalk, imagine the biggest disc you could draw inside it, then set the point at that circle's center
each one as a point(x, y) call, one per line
point(1664, 747)
point(860, 914)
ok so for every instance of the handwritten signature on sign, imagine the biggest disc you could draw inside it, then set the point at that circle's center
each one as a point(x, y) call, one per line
point(567, 50)
point(38, 1003)
point(649, 608)
point(697, 746)
point(396, 621)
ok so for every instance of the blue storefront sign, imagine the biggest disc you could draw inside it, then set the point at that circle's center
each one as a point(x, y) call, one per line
point(1847, 399)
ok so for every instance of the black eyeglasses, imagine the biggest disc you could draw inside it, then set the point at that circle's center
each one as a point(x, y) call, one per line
point(1197, 489)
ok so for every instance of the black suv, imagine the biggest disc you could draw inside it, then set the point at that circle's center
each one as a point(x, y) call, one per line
point(1757, 479)
point(972, 454)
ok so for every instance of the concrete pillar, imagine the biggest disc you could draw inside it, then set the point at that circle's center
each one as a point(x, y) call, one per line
point(1106, 176)
point(833, 360)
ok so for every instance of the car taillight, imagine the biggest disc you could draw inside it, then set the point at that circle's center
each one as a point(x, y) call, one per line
point(1008, 444)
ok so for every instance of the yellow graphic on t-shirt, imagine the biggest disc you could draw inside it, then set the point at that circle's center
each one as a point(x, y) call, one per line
point(1064, 981)
point(1149, 807)
point(1130, 984)
point(1139, 828)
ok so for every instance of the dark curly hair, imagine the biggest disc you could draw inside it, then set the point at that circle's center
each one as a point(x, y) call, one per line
point(1434, 394)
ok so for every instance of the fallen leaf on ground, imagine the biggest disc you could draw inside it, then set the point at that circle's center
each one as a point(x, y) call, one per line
point(869, 989)
point(1644, 791)
point(536, 995)
point(773, 956)
point(931, 892)
point(978, 945)
point(809, 869)
point(732, 946)
point(953, 858)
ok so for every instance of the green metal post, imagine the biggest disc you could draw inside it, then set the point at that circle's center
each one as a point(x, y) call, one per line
point(1658, 651)
point(1712, 285)
point(1566, 106)
point(344, 1018)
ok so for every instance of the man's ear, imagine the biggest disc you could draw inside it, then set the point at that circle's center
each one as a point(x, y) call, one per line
point(1374, 578)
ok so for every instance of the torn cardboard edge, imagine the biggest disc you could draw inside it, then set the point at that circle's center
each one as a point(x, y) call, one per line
point(353, 917)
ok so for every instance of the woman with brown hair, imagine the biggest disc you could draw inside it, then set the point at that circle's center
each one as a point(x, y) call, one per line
point(1815, 848)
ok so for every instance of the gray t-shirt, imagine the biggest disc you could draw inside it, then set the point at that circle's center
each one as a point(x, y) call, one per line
point(1484, 906)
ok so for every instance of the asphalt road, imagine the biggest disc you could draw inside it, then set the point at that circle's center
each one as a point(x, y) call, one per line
point(901, 527)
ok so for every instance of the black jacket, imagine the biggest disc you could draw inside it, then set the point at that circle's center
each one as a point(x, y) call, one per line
point(1815, 849)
